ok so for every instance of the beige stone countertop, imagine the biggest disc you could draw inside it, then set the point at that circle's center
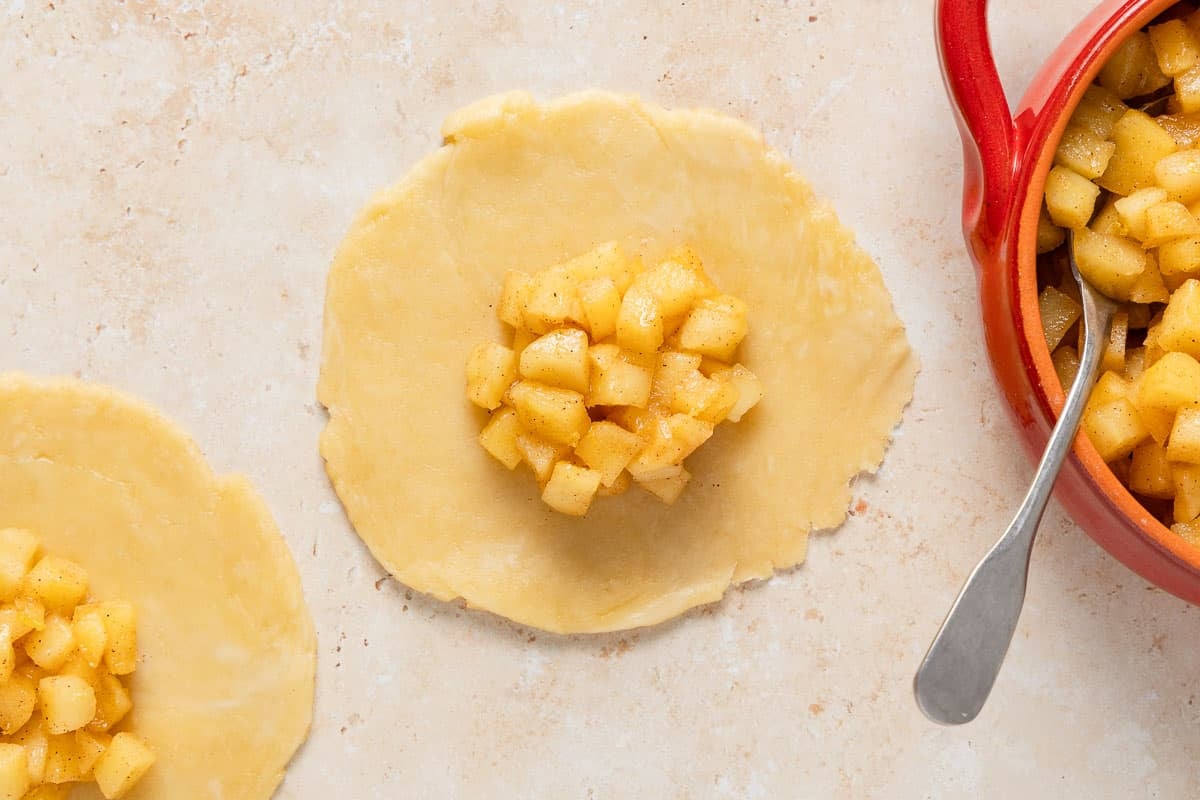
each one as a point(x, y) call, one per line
point(174, 178)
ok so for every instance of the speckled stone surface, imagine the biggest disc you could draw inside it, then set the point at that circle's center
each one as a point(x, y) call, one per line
point(174, 178)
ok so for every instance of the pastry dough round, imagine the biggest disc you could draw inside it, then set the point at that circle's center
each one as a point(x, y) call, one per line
point(224, 686)
point(523, 186)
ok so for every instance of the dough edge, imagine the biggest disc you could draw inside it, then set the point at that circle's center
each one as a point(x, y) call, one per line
point(231, 492)
point(477, 121)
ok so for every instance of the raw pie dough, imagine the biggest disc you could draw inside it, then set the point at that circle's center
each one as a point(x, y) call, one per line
point(224, 687)
point(523, 186)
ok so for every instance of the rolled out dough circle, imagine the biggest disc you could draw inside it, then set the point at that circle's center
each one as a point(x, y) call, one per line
point(224, 685)
point(519, 185)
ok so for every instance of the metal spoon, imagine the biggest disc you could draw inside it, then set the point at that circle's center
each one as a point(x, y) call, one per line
point(957, 673)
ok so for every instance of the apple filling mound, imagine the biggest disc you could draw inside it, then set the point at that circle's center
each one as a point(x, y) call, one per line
point(61, 694)
point(615, 374)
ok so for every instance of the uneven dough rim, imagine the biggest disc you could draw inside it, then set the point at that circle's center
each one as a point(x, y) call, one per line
point(296, 651)
point(477, 121)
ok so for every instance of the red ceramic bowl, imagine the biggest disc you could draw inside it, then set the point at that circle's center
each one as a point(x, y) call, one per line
point(1006, 158)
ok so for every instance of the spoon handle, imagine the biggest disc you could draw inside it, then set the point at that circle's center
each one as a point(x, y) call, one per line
point(957, 673)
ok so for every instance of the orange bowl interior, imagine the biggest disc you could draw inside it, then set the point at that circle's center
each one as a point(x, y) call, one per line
point(1047, 378)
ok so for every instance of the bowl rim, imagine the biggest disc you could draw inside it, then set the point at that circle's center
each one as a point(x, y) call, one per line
point(1047, 387)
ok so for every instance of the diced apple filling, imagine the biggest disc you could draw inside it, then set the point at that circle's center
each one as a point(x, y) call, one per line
point(615, 375)
point(1126, 181)
point(60, 694)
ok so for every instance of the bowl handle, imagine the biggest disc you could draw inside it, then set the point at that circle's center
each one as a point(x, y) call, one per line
point(984, 120)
